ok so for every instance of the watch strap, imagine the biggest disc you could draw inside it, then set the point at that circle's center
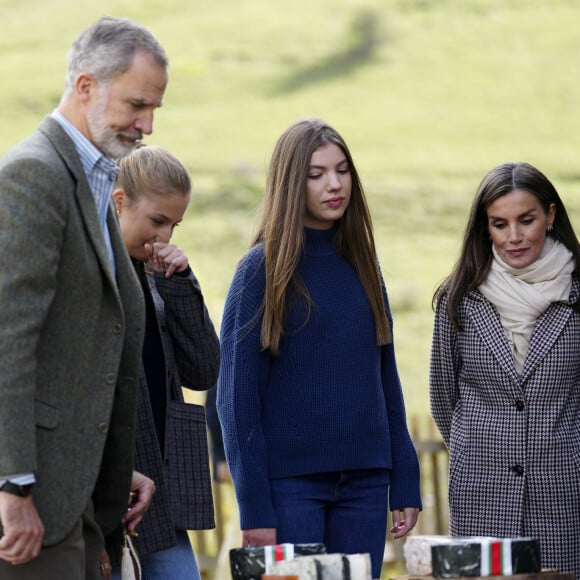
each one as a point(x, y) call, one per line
point(16, 489)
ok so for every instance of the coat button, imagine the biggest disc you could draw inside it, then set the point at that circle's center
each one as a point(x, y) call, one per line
point(117, 328)
point(518, 469)
point(103, 427)
point(110, 378)
point(520, 405)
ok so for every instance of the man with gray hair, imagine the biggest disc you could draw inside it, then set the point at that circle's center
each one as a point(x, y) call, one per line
point(72, 316)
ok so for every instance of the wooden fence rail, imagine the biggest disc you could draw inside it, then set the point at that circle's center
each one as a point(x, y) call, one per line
point(434, 461)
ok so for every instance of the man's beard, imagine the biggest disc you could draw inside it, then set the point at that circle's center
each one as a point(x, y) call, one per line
point(107, 139)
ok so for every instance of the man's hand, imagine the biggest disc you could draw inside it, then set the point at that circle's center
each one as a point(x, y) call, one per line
point(23, 530)
point(142, 490)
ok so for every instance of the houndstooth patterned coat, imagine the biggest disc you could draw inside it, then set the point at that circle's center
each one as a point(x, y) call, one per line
point(514, 441)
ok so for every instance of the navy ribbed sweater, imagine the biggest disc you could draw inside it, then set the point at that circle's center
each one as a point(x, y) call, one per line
point(331, 401)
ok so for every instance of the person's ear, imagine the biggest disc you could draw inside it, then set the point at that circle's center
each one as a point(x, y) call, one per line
point(120, 199)
point(551, 216)
point(85, 87)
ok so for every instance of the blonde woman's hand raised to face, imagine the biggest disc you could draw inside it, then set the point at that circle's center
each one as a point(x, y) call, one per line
point(166, 258)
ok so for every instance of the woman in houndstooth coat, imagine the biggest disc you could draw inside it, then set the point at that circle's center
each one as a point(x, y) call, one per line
point(505, 368)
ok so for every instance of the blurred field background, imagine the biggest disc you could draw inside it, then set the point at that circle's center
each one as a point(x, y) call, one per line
point(429, 94)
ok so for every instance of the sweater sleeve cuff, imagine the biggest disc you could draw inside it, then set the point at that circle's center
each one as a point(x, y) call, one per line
point(405, 494)
point(252, 520)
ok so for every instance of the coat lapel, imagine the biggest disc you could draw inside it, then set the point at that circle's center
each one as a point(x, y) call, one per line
point(549, 327)
point(487, 323)
point(85, 200)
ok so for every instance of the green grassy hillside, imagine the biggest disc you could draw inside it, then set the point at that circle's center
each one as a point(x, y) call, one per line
point(429, 94)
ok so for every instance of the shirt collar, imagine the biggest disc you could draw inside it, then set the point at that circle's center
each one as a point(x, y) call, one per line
point(89, 154)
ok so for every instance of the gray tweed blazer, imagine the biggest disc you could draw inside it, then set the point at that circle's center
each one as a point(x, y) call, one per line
point(514, 441)
point(70, 337)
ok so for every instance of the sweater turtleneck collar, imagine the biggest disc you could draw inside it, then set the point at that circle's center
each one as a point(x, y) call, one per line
point(320, 242)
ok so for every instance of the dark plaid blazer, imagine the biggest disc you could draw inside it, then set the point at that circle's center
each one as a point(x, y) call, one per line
point(514, 441)
point(183, 498)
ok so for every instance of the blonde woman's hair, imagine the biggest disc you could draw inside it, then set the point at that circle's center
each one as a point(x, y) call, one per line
point(152, 171)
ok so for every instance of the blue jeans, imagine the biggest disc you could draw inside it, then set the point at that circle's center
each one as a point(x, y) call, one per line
point(344, 510)
point(176, 563)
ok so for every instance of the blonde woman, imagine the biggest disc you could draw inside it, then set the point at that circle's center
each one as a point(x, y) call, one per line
point(181, 349)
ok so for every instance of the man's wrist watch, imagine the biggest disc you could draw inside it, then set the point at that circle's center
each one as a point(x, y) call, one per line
point(16, 489)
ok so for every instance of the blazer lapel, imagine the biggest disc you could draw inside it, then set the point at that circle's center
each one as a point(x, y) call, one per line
point(85, 200)
point(487, 323)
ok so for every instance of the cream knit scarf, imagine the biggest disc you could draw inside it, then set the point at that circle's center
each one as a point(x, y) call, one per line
point(520, 295)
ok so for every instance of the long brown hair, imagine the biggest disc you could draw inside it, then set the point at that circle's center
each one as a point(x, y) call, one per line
point(475, 259)
point(281, 229)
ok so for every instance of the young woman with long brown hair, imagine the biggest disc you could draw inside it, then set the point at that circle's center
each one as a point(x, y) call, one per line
point(309, 395)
